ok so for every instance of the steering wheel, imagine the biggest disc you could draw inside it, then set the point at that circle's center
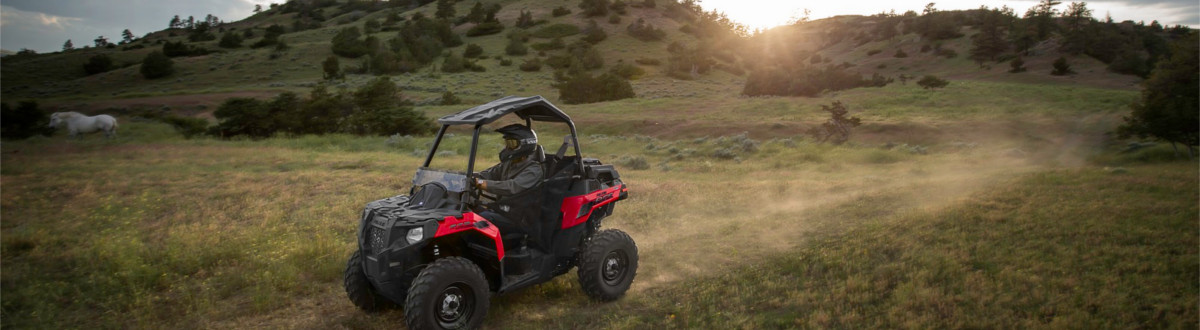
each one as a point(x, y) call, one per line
point(476, 193)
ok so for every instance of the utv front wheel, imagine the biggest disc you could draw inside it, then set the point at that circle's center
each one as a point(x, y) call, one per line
point(451, 293)
point(608, 265)
point(359, 289)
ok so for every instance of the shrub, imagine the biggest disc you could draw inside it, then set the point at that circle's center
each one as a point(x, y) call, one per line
point(645, 32)
point(472, 51)
point(900, 54)
point(485, 28)
point(584, 88)
point(454, 64)
point(593, 34)
point(97, 64)
point(533, 65)
point(244, 116)
point(560, 11)
point(557, 43)
point(516, 47)
point(873, 52)
point(448, 98)
point(505, 62)
point(633, 162)
point(24, 121)
point(186, 126)
point(559, 30)
point(157, 65)
point(1061, 67)
point(627, 71)
point(932, 82)
point(176, 49)
point(230, 40)
point(614, 19)
point(1017, 64)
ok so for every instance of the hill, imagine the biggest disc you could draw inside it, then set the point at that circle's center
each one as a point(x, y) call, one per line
point(698, 53)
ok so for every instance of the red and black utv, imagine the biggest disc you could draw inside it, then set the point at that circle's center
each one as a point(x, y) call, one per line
point(432, 253)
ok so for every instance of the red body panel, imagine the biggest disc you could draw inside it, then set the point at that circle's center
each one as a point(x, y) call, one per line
point(452, 225)
point(572, 205)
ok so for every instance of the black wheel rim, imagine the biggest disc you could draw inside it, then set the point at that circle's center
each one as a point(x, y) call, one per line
point(454, 306)
point(613, 268)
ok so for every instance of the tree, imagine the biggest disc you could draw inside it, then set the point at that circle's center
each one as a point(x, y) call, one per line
point(837, 127)
point(347, 43)
point(97, 64)
point(1061, 67)
point(175, 23)
point(382, 111)
point(525, 20)
point(244, 116)
point(257, 8)
point(24, 121)
point(932, 82)
point(333, 70)
point(1042, 18)
point(1075, 22)
point(101, 41)
point(68, 45)
point(445, 9)
point(126, 36)
point(476, 14)
point(157, 65)
point(1170, 97)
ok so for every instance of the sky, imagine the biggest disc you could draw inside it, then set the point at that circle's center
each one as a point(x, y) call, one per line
point(45, 25)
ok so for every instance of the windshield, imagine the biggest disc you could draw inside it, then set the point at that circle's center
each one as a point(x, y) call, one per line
point(453, 181)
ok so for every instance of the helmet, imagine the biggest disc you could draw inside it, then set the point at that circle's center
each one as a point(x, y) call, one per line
point(520, 141)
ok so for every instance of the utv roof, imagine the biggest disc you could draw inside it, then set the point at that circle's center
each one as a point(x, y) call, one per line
point(533, 108)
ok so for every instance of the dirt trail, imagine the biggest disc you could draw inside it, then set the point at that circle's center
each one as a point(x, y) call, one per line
point(696, 243)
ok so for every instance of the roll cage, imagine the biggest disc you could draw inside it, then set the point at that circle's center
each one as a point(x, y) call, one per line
point(532, 108)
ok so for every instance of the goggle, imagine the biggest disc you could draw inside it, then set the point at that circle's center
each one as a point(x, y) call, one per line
point(511, 143)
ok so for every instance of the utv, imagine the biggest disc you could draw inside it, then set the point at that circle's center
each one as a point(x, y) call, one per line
point(432, 253)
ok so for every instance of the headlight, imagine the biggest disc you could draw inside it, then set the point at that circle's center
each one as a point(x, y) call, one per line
point(415, 235)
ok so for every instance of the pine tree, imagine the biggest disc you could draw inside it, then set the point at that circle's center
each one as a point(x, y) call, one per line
point(445, 9)
point(1061, 67)
point(126, 36)
point(68, 45)
point(1171, 95)
point(175, 23)
point(333, 70)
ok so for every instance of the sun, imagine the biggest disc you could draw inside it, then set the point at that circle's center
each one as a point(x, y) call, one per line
point(757, 14)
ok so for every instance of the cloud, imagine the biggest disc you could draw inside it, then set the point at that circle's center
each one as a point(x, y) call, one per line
point(11, 16)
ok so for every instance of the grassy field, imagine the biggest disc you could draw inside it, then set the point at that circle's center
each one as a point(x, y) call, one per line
point(1040, 228)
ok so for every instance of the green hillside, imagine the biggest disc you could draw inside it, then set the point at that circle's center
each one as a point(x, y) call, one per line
point(58, 79)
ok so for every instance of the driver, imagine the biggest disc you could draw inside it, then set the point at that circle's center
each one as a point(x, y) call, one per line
point(517, 171)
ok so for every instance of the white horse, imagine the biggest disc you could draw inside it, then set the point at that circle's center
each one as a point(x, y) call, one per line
point(78, 123)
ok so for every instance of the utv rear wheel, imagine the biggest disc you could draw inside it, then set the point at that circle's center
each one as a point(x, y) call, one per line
point(451, 293)
point(359, 289)
point(607, 265)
